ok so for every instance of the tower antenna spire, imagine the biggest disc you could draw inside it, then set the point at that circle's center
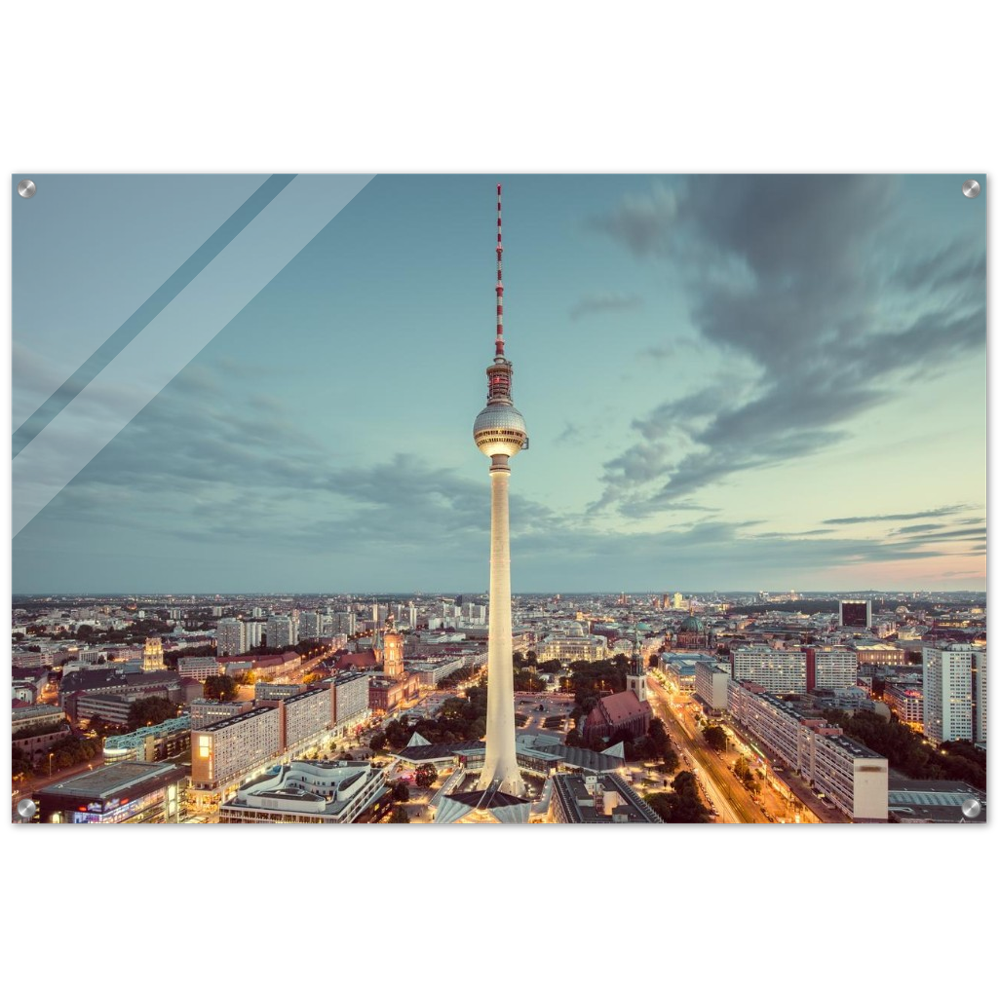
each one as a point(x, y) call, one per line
point(499, 342)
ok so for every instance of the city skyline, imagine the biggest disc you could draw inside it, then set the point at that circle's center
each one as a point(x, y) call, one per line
point(773, 383)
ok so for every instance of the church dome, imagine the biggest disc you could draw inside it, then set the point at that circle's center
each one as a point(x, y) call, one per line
point(692, 624)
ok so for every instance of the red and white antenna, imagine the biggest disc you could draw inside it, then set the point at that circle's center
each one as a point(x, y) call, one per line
point(499, 280)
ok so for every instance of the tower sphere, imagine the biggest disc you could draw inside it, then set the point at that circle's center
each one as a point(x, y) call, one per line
point(500, 430)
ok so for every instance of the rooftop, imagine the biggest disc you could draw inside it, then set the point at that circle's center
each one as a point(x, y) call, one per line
point(934, 801)
point(581, 804)
point(113, 779)
point(236, 720)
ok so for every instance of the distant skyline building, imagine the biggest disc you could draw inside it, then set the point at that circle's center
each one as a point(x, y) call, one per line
point(500, 433)
point(856, 614)
point(313, 625)
point(281, 631)
point(230, 637)
point(254, 634)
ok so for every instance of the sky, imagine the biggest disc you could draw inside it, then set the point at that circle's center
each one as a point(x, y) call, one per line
point(730, 383)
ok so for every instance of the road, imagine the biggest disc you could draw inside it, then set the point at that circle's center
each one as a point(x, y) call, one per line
point(726, 792)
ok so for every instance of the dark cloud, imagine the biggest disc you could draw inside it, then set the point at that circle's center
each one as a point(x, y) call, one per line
point(589, 305)
point(642, 222)
point(793, 275)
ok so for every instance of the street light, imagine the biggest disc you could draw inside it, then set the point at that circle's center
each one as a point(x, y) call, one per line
point(51, 755)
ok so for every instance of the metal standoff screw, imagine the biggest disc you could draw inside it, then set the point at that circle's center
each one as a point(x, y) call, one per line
point(26, 189)
point(971, 190)
point(971, 808)
point(26, 808)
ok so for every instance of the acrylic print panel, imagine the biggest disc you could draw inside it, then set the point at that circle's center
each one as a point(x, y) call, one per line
point(707, 545)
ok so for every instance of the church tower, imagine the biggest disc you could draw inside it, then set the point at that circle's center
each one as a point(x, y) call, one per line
point(635, 679)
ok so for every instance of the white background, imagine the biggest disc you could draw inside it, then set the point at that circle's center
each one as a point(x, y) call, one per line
point(452, 80)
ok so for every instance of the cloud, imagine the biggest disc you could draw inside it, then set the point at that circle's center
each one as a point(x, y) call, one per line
point(806, 280)
point(642, 222)
point(662, 352)
point(971, 533)
point(912, 516)
point(589, 305)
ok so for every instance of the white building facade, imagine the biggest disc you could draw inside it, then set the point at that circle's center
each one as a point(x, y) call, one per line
point(854, 778)
point(779, 671)
point(955, 693)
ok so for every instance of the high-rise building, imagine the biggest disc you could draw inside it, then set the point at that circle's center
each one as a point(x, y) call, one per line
point(345, 622)
point(711, 685)
point(778, 671)
point(313, 625)
point(856, 614)
point(230, 637)
point(412, 616)
point(955, 693)
point(253, 634)
point(500, 433)
point(281, 631)
point(152, 655)
point(831, 668)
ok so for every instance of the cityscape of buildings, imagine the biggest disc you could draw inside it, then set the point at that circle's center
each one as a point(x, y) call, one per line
point(781, 707)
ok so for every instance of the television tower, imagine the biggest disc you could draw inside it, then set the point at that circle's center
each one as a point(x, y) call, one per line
point(500, 434)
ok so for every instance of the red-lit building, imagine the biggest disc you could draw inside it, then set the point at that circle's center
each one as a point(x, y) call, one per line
point(622, 712)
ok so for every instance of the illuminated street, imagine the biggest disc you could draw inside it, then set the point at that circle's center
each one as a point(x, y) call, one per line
point(724, 791)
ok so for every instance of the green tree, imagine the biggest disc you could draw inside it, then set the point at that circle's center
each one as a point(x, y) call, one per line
point(221, 687)
point(400, 792)
point(682, 805)
point(377, 742)
point(662, 804)
point(399, 815)
point(150, 712)
point(715, 737)
point(426, 775)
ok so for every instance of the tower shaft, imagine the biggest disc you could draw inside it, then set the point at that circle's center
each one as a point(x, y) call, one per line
point(501, 753)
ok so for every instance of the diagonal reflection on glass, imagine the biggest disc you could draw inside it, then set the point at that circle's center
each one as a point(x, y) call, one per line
point(150, 309)
point(62, 447)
